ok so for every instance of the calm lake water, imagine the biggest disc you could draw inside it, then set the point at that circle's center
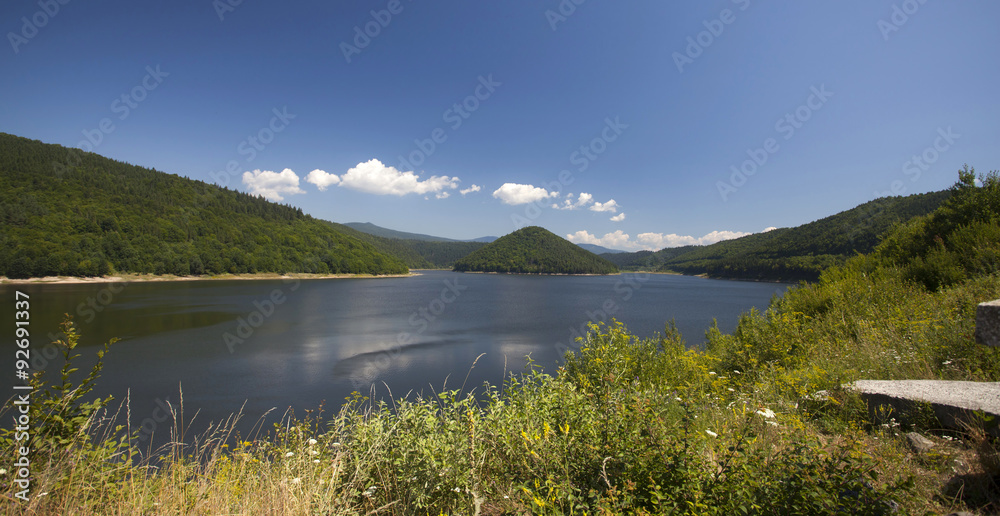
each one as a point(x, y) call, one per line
point(282, 343)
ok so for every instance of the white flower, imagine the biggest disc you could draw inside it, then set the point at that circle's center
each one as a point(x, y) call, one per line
point(311, 442)
point(3, 471)
point(711, 373)
point(457, 490)
point(335, 445)
point(677, 399)
point(772, 423)
point(711, 433)
point(290, 454)
point(730, 389)
point(315, 461)
point(767, 413)
point(313, 452)
point(296, 480)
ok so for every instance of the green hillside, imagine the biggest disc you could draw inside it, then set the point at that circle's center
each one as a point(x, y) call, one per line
point(67, 212)
point(534, 250)
point(798, 253)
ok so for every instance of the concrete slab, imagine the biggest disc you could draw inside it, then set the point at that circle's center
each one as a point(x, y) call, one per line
point(954, 403)
point(988, 323)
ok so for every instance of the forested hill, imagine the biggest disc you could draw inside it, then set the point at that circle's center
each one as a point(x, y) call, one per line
point(798, 253)
point(67, 212)
point(534, 250)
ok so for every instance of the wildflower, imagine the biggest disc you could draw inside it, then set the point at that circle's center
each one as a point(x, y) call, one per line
point(335, 445)
point(3, 471)
point(711, 433)
point(296, 480)
point(315, 461)
point(290, 454)
point(311, 442)
point(677, 399)
point(946, 362)
point(730, 389)
point(766, 413)
point(457, 490)
point(772, 423)
point(711, 373)
point(313, 452)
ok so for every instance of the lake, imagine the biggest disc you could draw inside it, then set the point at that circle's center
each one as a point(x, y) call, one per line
point(280, 343)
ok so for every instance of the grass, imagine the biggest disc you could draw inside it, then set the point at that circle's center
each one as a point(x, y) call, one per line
point(757, 422)
point(627, 425)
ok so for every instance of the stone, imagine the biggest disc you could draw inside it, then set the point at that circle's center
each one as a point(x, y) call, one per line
point(919, 443)
point(988, 323)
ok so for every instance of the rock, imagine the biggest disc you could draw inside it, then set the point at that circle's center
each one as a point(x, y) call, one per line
point(988, 323)
point(919, 443)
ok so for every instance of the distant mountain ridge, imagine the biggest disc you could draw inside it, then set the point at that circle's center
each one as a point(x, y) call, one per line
point(372, 229)
point(534, 250)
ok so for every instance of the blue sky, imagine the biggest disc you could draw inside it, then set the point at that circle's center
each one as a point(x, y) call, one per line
point(820, 106)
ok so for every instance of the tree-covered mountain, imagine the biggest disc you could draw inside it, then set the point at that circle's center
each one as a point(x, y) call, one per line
point(534, 250)
point(798, 253)
point(68, 212)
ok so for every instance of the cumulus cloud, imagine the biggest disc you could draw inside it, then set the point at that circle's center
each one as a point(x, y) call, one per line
point(650, 241)
point(618, 218)
point(514, 194)
point(656, 241)
point(442, 195)
point(582, 200)
point(771, 228)
point(272, 185)
point(473, 188)
point(322, 179)
point(374, 177)
point(618, 239)
point(611, 206)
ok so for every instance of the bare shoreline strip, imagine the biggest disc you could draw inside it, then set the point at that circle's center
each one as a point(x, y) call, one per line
point(141, 278)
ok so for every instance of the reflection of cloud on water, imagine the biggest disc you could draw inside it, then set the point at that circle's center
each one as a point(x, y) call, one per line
point(516, 352)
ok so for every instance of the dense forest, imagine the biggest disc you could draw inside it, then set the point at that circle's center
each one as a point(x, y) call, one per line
point(534, 250)
point(799, 253)
point(68, 212)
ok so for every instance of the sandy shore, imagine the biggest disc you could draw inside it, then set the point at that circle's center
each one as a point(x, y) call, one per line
point(131, 278)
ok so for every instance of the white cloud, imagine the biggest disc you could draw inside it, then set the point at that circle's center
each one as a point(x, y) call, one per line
point(618, 218)
point(618, 239)
point(650, 241)
point(657, 241)
point(473, 188)
point(611, 206)
point(771, 228)
point(581, 201)
point(272, 185)
point(514, 194)
point(442, 195)
point(322, 179)
point(374, 177)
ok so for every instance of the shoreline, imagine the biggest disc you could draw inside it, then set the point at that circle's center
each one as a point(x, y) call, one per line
point(149, 278)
